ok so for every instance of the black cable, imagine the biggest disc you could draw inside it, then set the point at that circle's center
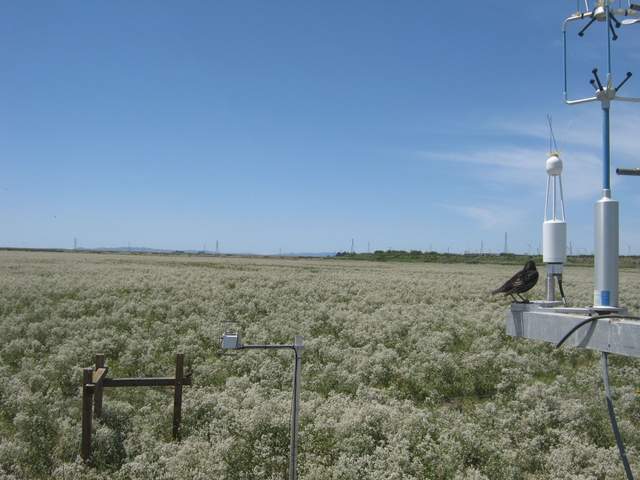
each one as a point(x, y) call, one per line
point(607, 388)
point(612, 416)
point(564, 300)
point(592, 319)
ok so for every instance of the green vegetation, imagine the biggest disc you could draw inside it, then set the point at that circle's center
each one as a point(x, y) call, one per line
point(472, 258)
point(407, 372)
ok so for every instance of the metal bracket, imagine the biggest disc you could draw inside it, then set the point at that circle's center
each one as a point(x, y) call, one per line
point(548, 323)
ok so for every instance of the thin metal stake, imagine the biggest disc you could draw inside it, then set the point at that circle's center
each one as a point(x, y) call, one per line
point(177, 396)
point(295, 406)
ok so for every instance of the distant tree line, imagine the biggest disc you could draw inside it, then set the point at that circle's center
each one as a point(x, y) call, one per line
point(474, 257)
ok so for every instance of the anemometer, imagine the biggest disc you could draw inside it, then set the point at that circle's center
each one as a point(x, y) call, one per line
point(606, 247)
point(605, 326)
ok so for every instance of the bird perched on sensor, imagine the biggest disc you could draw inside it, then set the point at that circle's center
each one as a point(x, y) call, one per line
point(521, 282)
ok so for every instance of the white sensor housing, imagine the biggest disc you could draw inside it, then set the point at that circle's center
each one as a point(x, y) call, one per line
point(554, 241)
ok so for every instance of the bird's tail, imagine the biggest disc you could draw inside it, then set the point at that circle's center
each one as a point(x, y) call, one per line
point(497, 290)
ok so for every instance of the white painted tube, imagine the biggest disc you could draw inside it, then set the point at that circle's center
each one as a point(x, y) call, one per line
point(606, 252)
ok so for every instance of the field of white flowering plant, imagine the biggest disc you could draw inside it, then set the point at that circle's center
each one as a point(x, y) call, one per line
point(407, 372)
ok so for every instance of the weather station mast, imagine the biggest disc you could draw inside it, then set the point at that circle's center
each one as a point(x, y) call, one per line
point(606, 221)
point(605, 326)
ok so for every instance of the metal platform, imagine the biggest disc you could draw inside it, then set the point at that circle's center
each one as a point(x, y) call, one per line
point(550, 321)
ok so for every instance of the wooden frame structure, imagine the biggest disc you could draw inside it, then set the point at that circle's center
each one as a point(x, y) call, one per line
point(94, 381)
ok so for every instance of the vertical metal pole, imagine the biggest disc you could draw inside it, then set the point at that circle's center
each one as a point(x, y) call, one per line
point(564, 58)
point(97, 400)
point(87, 397)
point(606, 225)
point(298, 345)
point(606, 148)
point(177, 396)
point(551, 286)
point(607, 20)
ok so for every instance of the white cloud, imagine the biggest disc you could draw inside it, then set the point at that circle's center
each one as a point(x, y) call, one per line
point(581, 130)
point(487, 216)
point(511, 165)
point(484, 216)
point(509, 161)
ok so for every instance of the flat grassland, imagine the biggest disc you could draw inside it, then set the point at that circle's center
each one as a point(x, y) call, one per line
point(407, 372)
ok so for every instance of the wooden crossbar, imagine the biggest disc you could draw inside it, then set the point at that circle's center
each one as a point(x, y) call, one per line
point(94, 381)
point(145, 382)
point(98, 375)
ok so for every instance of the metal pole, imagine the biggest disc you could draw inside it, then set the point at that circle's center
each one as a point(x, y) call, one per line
point(606, 221)
point(298, 345)
point(606, 147)
point(606, 226)
point(551, 286)
point(297, 348)
point(564, 59)
point(607, 20)
point(177, 396)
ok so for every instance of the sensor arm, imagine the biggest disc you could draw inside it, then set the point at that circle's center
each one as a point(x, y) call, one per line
point(597, 78)
point(584, 29)
point(615, 20)
point(582, 100)
point(628, 171)
point(628, 99)
point(629, 75)
point(572, 18)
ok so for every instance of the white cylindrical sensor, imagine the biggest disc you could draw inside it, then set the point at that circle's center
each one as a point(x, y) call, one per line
point(554, 241)
point(606, 252)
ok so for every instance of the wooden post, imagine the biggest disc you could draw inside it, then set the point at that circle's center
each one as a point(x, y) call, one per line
point(87, 394)
point(95, 380)
point(97, 400)
point(177, 396)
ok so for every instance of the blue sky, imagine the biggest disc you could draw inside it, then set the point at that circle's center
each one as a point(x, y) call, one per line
point(300, 125)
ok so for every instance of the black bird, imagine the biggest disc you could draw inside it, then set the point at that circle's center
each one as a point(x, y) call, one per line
point(521, 282)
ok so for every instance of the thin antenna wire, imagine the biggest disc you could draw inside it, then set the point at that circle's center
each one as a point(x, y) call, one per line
point(564, 217)
point(546, 197)
point(552, 138)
